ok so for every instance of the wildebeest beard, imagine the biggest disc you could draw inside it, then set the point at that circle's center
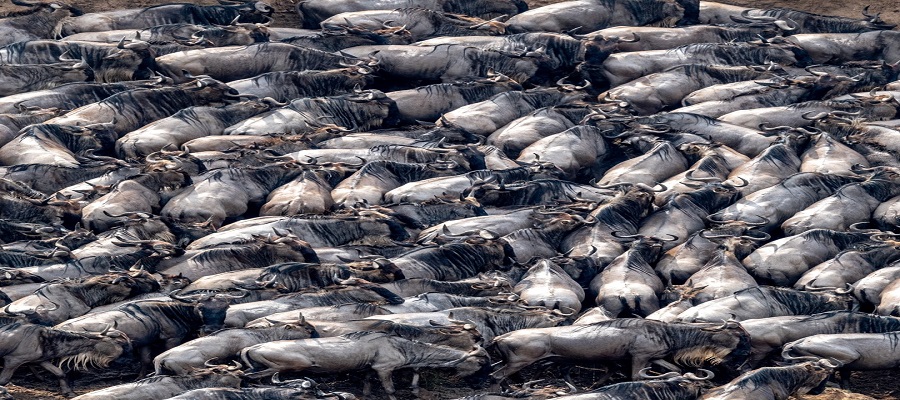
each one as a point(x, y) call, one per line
point(697, 356)
point(84, 361)
point(93, 358)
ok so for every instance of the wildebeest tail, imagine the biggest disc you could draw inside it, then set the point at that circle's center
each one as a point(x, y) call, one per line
point(246, 359)
point(787, 356)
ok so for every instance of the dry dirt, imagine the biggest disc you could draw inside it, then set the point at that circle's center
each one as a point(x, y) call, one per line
point(874, 385)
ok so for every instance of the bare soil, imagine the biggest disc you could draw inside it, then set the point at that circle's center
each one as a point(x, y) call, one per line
point(869, 385)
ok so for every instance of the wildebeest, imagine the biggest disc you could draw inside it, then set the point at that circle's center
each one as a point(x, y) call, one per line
point(640, 340)
point(594, 15)
point(222, 62)
point(26, 78)
point(57, 302)
point(763, 302)
point(315, 11)
point(140, 18)
point(163, 386)
point(221, 345)
point(655, 387)
point(110, 62)
point(26, 343)
point(850, 351)
point(133, 109)
point(769, 334)
point(378, 351)
point(775, 383)
point(36, 22)
point(157, 322)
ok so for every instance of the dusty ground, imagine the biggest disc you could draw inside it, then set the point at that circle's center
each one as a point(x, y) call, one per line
point(877, 385)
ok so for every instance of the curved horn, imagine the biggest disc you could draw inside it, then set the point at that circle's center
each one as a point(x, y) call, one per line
point(190, 299)
point(563, 314)
point(745, 183)
point(663, 188)
point(620, 235)
point(814, 116)
point(674, 238)
point(746, 14)
point(844, 291)
point(707, 375)
point(690, 176)
point(765, 237)
point(787, 25)
point(645, 374)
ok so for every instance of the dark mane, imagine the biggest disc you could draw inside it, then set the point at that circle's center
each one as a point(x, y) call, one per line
point(723, 74)
point(815, 23)
point(21, 13)
point(362, 334)
point(790, 377)
point(645, 11)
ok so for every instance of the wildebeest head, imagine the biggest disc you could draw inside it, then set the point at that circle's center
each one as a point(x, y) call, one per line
point(301, 326)
point(729, 344)
point(560, 223)
point(210, 308)
point(380, 270)
point(292, 246)
point(650, 248)
point(596, 51)
point(253, 11)
point(689, 10)
point(187, 232)
point(222, 375)
point(236, 34)
point(57, 10)
point(11, 277)
point(131, 60)
point(209, 90)
point(212, 311)
point(475, 366)
point(140, 282)
point(817, 376)
point(170, 283)
point(108, 345)
point(150, 250)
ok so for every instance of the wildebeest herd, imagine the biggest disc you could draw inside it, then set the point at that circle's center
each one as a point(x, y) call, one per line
point(700, 200)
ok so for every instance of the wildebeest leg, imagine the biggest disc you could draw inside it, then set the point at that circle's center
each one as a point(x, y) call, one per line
point(567, 376)
point(367, 384)
point(9, 368)
point(146, 361)
point(63, 385)
point(35, 372)
point(845, 378)
point(514, 365)
point(387, 382)
point(415, 382)
point(637, 364)
point(757, 356)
